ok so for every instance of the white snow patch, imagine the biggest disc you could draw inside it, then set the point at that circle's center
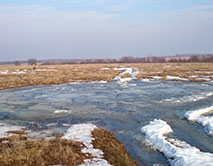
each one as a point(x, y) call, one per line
point(179, 153)
point(18, 72)
point(13, 72)
point(134, 73)
point(105, 68)
point(205, 121)
point(168, 77)
point(100, 82)
point(194, 76)
point(119, 68)
point(4, 128)
point(203, 79)
point(156, 77)
point(123, 81)
point(4, 72)
point(95, 162)
point(146, 80)
point(76, 82)
point(45, 70)
point(62, 111)
point(83, 133)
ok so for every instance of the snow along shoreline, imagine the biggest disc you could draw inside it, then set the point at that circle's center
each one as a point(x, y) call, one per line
point(123, 82)
point(198, 117)
point(5, 128)
point(78, 132)
point(83, 133)
point(178, 153)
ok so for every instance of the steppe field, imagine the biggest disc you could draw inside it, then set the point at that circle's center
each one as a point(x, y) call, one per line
point(21, 76)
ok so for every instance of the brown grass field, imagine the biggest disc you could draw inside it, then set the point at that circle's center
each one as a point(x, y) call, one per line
point(59, 74)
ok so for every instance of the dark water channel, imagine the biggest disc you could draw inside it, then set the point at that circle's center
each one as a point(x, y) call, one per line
point(122, 111)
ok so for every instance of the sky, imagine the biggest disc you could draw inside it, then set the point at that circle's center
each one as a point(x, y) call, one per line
point(78, 29)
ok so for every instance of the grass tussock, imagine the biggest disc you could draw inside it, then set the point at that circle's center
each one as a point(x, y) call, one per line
point(20, 151)
point(114, 150)
point(126, 75)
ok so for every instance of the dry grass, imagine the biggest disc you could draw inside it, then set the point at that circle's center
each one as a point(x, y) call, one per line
point(58, 74)
point(114, 150)
point(126, 75)
point(183, 70)
point(20, 150)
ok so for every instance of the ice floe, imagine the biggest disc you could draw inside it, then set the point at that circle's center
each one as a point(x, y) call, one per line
point(178, 153)
point(186, 99)
point(198, 117)
point(83, 133)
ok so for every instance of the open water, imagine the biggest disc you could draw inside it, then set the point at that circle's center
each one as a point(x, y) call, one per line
point(122, 110)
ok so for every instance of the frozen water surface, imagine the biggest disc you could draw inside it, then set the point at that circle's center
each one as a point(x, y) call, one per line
point(123, 110)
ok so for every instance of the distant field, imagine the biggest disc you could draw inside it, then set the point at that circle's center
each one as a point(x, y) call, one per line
point(21, 76)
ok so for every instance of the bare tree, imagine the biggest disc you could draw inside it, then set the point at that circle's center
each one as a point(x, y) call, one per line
point(32, 61)
point(17, 63)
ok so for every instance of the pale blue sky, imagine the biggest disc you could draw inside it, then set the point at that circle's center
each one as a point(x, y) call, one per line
point(46, 29)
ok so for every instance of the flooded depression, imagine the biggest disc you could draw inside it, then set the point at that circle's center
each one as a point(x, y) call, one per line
point(122, 110)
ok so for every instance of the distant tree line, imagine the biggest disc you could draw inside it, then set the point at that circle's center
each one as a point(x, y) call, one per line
point(30, 61)
point(194, 58)
point(125, 59)
point(130, 59)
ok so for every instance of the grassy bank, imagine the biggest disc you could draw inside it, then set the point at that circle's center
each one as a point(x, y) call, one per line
point(20, 150)
point(21, 76)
